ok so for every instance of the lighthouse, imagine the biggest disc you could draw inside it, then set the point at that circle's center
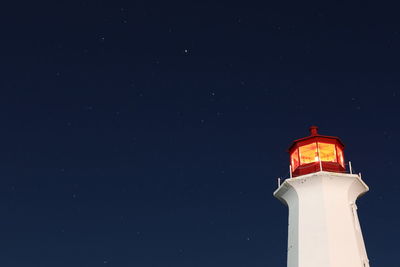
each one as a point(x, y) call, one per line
point(324, 229)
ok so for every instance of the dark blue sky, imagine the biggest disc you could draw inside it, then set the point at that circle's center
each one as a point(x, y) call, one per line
point(151, 133)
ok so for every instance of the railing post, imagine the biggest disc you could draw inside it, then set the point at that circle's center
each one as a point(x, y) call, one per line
point(351, 169)
point(290, 170)
point(279, 181)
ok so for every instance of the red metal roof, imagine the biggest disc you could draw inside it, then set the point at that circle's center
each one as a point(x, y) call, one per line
point(313, 134)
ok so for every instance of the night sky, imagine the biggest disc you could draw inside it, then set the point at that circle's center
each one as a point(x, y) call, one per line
point(151, 133)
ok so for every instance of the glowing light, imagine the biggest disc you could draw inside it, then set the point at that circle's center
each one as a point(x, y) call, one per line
point(327, 152)
point(295, 159)
point(311, 153)
point(308, 153)
point(340, 156)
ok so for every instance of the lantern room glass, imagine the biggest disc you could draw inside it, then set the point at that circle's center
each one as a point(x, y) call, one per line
point(315, 152)
point(308, 153)
point(294, 157)
point(327, 152)
point(340, 156)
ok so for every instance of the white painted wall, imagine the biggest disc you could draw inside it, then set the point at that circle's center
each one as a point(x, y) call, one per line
point(324, 230)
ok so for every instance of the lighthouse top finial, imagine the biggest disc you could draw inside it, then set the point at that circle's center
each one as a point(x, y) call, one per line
point(314, 130)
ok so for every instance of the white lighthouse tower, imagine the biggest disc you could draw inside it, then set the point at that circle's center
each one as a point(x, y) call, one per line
point(324, 230)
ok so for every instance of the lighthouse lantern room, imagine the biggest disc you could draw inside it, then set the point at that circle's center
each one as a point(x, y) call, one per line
point(316, 153)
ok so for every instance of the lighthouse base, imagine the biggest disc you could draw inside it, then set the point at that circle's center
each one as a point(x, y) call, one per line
point(324, 230)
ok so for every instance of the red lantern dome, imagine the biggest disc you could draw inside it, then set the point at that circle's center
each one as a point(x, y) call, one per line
point(316, 153)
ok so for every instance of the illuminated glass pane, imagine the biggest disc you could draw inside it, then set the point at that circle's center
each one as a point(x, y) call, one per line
point(340, 156)
point(327, 152)
point(294, 157)
point(308, 153)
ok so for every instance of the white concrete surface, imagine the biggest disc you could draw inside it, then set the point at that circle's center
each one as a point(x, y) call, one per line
point(324, 230)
